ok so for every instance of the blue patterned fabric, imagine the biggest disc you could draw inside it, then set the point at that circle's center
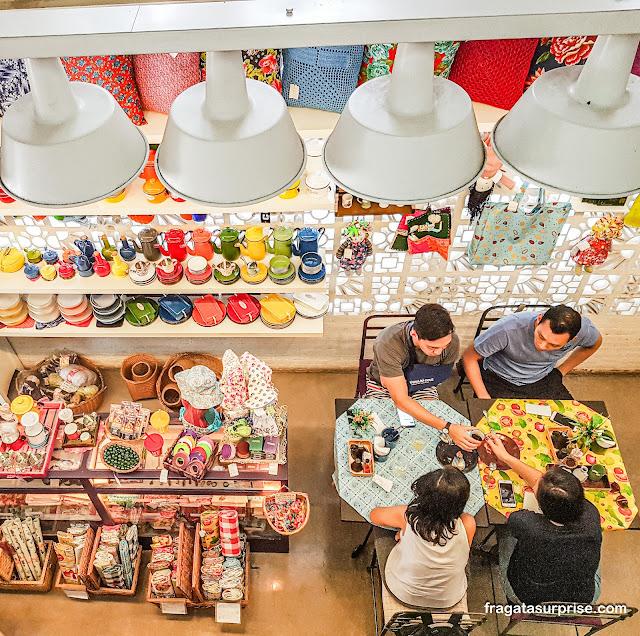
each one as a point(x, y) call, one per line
point(13, 82)
point(361, 493)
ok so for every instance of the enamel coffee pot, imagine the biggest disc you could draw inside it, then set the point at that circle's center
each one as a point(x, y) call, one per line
point(201, 241)
point(86, 247)
point(281, 245)
point(175, 245)
point(255, 248)
point(149, 241)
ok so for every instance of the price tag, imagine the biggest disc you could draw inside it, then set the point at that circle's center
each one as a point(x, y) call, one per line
point(273, 469)
point(83, 594)
point(228, 613)
point(348, 253)
point(513, 206)
point(164, 476)
point(174, 608)
point(294, 93)
point(285, 497)
point(68, 387)
point(233, 470)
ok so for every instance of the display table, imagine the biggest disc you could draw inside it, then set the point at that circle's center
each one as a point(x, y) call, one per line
point(361, 493)
point(510, 418)
point(141, 497)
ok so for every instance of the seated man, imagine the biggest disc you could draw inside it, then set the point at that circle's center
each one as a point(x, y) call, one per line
point(410, 359)
point(520, 353)
point(556, 556)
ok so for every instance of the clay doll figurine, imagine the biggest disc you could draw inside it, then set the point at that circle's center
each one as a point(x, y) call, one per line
point(594, 249)
point(356, 247)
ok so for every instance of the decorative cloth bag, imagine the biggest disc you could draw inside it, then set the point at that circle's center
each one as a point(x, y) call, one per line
point(14, 82)
point(161, 77)
point(557, 52)
point(321, 77)
point(505, 237)
point(378, 59)
point(493, 71)
point(419, 225)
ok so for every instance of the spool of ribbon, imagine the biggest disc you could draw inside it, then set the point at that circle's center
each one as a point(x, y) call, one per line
point(196, 467)
point(180, 459)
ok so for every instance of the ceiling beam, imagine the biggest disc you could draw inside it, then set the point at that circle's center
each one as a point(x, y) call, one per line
point(242, 24)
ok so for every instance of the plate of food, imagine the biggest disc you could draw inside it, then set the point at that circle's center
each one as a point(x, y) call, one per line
point(487, 456)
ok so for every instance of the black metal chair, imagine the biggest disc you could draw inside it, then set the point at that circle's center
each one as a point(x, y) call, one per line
point(369, 334)
point(597, 621)
point(488, 317)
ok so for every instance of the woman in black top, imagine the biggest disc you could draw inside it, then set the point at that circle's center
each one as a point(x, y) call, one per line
point(557, 554)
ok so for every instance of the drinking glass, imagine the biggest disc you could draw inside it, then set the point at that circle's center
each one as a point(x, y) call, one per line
point(399, 469)
point(418, 442)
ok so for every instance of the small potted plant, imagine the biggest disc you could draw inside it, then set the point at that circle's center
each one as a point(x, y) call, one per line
point(591, 435)
point(360, 420)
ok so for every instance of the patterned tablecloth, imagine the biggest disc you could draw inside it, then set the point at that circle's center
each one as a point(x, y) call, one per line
point(529, 432)
point(361, 493)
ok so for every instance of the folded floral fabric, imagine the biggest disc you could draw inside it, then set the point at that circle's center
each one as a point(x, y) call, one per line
point(14, 82)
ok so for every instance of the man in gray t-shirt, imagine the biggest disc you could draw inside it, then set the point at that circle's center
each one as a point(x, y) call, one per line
point(410, 359)
point(519, 354)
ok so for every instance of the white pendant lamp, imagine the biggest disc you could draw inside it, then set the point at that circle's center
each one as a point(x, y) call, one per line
point(408, 137)
point(66, 144)
point(577, 129)
point(229, 141)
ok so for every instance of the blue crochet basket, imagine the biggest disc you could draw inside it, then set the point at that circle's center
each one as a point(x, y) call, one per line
point(321, 77)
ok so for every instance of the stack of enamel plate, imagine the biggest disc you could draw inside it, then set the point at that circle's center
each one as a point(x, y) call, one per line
point(311, 305)
point(108, 309)
point(208, 311)
point(312, 269)
point(281, 270)
point(253, 272)
point(175, 309)
point(277, 312)
point(13, 310)
point(43, 308)
point(226, 272)
point(142, 272)
point(75, 309)
point(169, 271)
point(198, 270)
point(141, 311)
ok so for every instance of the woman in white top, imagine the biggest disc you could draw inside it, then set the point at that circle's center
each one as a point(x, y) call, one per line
point(427, 567)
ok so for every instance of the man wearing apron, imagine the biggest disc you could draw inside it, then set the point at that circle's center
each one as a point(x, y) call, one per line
point(410, 359)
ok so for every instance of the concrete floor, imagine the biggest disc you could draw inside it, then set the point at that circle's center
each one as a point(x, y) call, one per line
point(317, 589)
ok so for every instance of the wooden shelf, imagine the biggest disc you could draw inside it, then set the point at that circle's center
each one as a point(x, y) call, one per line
point(300, 328)
point(17, 283)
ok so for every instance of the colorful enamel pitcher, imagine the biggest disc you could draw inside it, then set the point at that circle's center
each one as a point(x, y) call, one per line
point(174, 245)
point(128, 249)
point(255, 248)
point(229, 238)
point(281, 245)
point(307, 240)
point(201, 241)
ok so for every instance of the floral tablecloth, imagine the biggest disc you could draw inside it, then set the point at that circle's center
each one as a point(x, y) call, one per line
point(510, 418)
point(361, 493)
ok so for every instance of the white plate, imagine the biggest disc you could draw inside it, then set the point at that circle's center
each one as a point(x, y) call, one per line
point(9, 301)
point(45, 316)
point(102, 301)
point(41, 301)
point(70, 301)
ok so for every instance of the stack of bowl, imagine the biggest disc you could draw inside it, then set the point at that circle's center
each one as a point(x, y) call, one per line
point(43, 308)
point(75, 308)
point(13, 310)
point(108, 309)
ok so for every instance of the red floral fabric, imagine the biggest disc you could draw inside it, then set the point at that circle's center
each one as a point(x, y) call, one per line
point(161, 77)
point(554, 53)
point(115, 74)
point(493, 71)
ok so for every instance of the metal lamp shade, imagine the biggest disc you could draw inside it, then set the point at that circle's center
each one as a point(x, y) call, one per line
point(67, 144)
point(560, 135)
point(381, 155)
point(234, 158)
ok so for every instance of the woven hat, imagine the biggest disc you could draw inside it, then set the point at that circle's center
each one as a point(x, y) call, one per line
point(233, 383)
point(261, 391)
point(199, 386)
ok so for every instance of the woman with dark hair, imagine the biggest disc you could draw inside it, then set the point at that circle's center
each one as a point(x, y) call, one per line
point(426, 569)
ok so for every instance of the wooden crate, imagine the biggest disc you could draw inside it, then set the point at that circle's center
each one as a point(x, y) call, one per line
point(199, 599)
point(94, 582)
point(79, 590)
point(46, 579)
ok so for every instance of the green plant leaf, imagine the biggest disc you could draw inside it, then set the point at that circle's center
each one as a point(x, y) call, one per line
point(596, 420)
point(534, 441)
point(560, 405)
point(544, 57)
point(545, 459)
point(494, 425)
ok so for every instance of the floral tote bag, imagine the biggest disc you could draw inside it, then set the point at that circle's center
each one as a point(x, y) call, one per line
point(506, 234)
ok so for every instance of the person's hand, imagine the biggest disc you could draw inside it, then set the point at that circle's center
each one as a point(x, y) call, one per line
point(497, 448)
point(483, 395)
point(458, 434)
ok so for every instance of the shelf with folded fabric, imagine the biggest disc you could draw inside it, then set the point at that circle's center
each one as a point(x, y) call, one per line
point(18, 283)
point(299, 328)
